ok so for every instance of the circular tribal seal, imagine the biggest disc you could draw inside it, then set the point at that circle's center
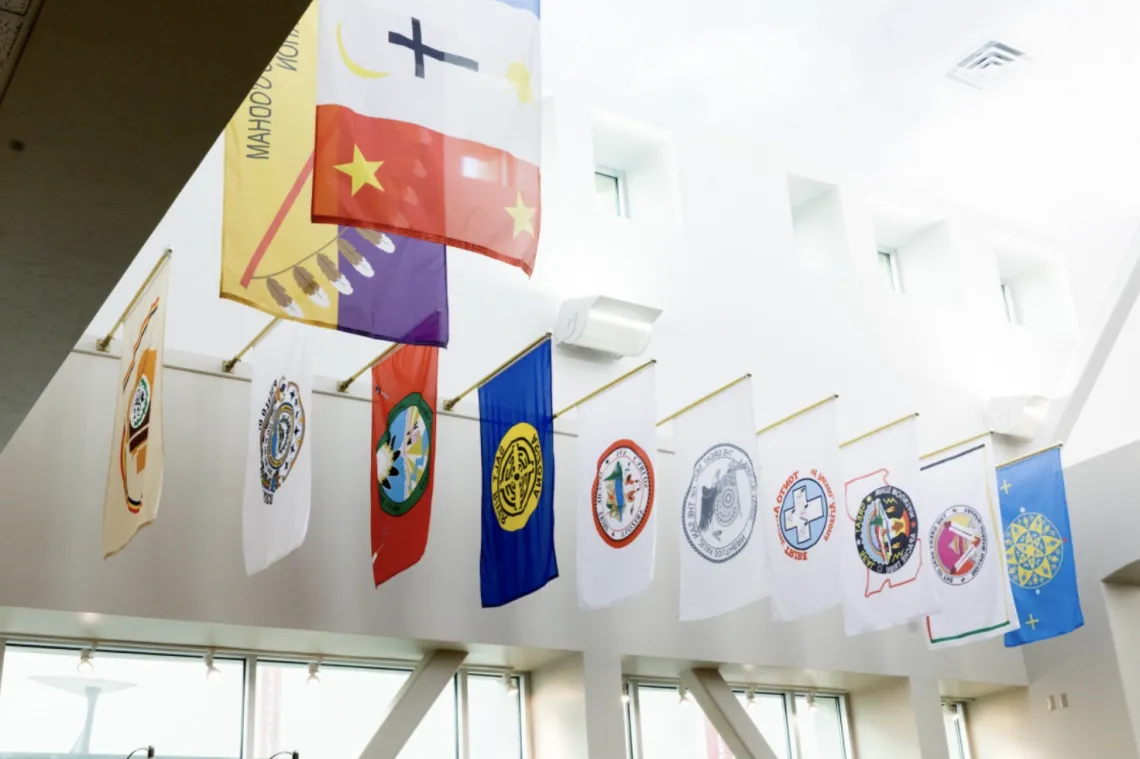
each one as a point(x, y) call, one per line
point(623, 491)
point(719, 511)
point(1034, 550)
point(886, 530)
point(517, 477)
point(140, 403)
point(281, 435)
point(403, 455)
point(806, 512)
point(958, 545)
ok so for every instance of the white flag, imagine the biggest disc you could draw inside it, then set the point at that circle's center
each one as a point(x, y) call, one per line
point(134, 480)
point(617, 525)
point(278, 470)
point(887, 577)
point(802, 493)
point(960, 505)
point(722, 560)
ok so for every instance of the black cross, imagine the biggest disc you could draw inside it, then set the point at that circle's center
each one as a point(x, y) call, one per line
point(417, 46)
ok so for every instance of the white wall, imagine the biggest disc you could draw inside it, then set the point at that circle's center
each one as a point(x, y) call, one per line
point(883, 722)
point(1001, 727)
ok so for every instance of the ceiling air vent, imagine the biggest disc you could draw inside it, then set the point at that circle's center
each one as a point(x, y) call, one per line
point(987, 66)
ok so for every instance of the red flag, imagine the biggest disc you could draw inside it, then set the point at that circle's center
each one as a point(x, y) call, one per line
point(403, 460)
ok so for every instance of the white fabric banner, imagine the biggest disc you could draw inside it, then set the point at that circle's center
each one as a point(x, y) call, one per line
point(801, 488)
point(278, 470)
point(134, 480)
point(960, 505)
point(887, 577)
point(617, 522)
point(722, 559)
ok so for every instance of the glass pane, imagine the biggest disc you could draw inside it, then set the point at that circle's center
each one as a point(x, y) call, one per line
point(47, 705)
point(769, 714)
point(494, 719)
point(821, 728)
point(609, 193)
point(672, 730)
point(337, 717)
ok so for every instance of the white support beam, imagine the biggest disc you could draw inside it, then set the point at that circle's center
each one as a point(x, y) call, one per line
point(1093, 350)
point(412, 702)
point(926, 702)
point(726, 714)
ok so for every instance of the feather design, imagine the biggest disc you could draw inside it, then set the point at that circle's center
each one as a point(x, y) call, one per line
point(410, 196)
point(309, 286)
point(328, 268)
point(288, 305)
point(419, 170)
point(352, 255)
point(379, 239)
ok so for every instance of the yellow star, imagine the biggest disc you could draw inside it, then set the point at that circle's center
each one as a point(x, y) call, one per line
point(523, 216)
point(519, 76)
point(362, 172)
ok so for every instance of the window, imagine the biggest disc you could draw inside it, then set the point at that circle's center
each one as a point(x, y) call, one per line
point(954, 718)
point(113, 703)
point(1008, 302)
point(664, 724)
point(494, 716)
point(889, 266)
point(609, 187)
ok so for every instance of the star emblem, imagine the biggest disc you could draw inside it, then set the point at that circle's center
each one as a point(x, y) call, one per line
point(523, 216)
point(361, 171)
point(519, 77)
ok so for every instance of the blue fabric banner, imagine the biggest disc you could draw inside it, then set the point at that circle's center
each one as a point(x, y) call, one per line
point(517, 432)
point(1039, 548)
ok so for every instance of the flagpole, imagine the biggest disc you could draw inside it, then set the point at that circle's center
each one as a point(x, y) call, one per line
point(606, 387)
point(703, 399)
point(1019, 459)
point(448, 405)
point(104, 344)
point(343, 386)
point(877, 430)
point(955, 445)
point(228, 365)
point(797, 414)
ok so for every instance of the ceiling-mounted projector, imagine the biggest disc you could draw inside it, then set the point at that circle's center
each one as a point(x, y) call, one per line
point(606, 325)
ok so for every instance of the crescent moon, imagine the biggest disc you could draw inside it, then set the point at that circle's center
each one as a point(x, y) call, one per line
point(352, 65)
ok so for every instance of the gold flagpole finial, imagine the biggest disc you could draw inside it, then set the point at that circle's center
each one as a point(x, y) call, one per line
point(704, 398)
point(105, 343)
point(343, 386)
point(449, 405)
point(229, 364)
point(606, 387)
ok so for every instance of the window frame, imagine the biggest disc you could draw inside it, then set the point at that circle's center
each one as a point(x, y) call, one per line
point(1009, 301)
point(622, 211)
point(891, 255)
point(956, 711)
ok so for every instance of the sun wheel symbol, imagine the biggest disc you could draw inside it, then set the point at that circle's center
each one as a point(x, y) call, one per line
point(1034, 550)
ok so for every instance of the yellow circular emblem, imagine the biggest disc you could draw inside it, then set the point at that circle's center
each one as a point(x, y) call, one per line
point(516, 477)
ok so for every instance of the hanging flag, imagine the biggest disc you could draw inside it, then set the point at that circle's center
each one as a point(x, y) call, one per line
point(403, 460)
point(887, 576)
point(276, 260)
point(134, 479)
point(278, 463)
point(516, 422)
point(1039, 548)
point(617, 529)
point(801, 484)
point(960, 504)
point(722, 565)
point(429, 122)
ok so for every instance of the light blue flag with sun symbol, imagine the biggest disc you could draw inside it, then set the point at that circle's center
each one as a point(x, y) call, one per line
point(1039, 548)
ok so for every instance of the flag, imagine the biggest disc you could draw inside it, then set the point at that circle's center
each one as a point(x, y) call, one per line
point(617, 526)
point(516, 424)
point(278, 462)
point(960, 505)
point(429, 122)
point(403, 457)
point(887, 578)
point(276, 260)
point(722, 562)
point(1039, 548)
point(801, 485)
point(134, 479)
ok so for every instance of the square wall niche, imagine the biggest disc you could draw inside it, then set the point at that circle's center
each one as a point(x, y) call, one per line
point(817, 223)
point(1034, 286)
point(635, 174)
point(913, 249)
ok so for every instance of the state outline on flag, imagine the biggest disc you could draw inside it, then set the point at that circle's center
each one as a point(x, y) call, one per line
point(907, 517)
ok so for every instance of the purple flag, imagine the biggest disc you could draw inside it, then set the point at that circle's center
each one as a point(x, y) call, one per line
point(399, 289)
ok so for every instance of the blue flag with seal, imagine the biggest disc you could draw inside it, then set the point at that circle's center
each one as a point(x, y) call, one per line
point(1039, 548)
point(516, 421)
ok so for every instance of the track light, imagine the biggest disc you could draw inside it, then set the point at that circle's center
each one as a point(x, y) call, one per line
point(811, 704)
point(750, 699)
point(85, 665)
point(510, 684)
point(212, 672)
point(682, 695)
point(625, 693)
point(314, 677)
